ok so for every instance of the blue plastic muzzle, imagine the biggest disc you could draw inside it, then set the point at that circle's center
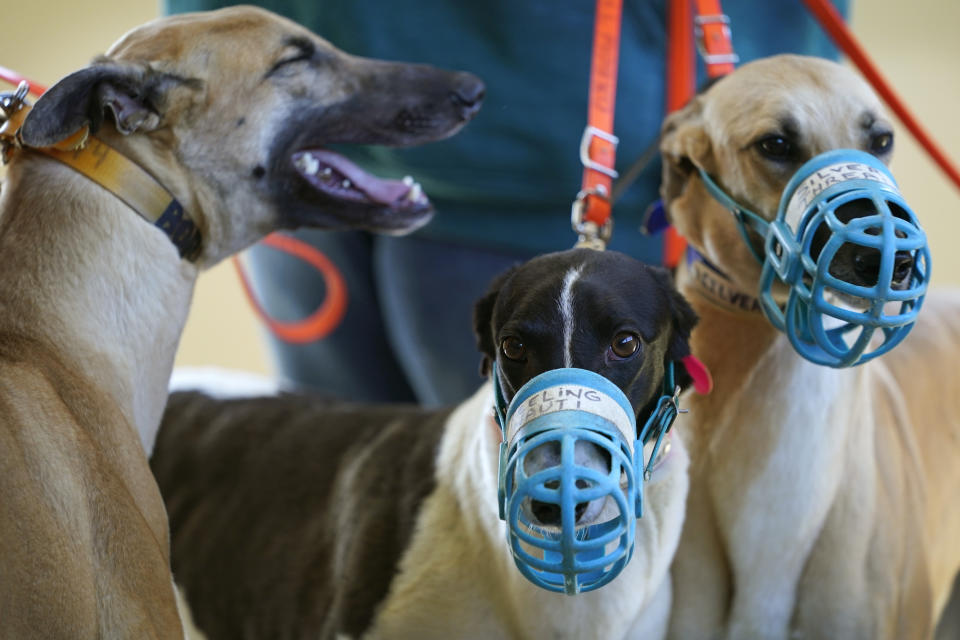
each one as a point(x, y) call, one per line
point(833, 320)
point(592, 488)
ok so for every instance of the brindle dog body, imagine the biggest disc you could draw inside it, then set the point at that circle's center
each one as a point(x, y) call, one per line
point(821, 501)
point(226, 110)
point(295, 519)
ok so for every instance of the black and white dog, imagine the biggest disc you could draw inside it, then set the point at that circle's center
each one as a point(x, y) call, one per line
point(292, 517)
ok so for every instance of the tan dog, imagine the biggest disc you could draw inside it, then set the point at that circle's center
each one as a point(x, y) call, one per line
point(226, 111)
point(822, 501)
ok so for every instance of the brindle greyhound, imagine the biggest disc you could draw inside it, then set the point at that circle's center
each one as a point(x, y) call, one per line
point(229, 112)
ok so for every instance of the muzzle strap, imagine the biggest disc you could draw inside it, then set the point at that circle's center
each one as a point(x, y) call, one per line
point(746, 220)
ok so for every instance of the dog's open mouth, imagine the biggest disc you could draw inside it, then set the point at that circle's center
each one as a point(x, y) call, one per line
point(337, 177)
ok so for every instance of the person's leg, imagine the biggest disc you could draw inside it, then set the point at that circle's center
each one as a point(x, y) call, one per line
point(355, 361)
point(427, 290)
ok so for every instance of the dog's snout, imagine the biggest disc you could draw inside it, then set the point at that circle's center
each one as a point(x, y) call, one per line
point(586, 454)
point(467, 93)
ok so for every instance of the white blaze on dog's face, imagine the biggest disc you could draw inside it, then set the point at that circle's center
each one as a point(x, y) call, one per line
point(232, 111)
point(596, 310)
point(751, 131)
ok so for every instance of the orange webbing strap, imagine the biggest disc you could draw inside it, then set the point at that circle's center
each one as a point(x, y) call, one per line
point(598, 147)
point(322, 321)
point(832, 22)
point(712, 28)
point(712, 38)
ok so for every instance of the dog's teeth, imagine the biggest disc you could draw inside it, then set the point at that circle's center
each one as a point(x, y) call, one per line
point(308, 164)
point(408, 180)
point(327, 172)
point(345, 184)
point(416, 193)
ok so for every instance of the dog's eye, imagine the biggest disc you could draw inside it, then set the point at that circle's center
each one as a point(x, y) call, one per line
point(300, 57)
point(513, 348)
point(881, 143)
point(296, 51)
point(776, 147)
point(625, 344)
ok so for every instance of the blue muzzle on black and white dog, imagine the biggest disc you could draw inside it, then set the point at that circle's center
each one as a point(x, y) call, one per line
point(851, 253)
point(571, 475)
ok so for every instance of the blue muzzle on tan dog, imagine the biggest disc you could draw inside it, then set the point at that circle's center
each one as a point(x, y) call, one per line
point(850, 252)
point(571, 475)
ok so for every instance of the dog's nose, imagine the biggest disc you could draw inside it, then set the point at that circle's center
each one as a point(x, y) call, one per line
point(467, 94)
point(866, 266)
point(549, 514)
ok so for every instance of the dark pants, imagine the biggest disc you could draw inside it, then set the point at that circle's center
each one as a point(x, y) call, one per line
point(407, 334)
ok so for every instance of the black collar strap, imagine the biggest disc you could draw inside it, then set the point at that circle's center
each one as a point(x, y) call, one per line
point(717, 286)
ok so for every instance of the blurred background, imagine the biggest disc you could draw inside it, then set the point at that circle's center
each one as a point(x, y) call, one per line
point(914, 44)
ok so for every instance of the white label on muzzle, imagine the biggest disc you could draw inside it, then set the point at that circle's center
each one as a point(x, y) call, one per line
point(828, 176)
point(571, 397)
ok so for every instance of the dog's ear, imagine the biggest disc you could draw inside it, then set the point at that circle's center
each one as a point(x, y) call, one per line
point(684, 146)
point(483, 321)
point(682, 321)
point(130, 94)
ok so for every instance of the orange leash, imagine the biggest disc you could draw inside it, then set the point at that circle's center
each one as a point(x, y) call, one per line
point(708, 32)
point(590, 214)
point(327, 317)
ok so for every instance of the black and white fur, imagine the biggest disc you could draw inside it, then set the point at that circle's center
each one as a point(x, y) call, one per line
point(292, 517)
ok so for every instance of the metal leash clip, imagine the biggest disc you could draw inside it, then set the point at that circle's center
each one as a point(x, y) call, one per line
point(590, 234)
point(12, 107)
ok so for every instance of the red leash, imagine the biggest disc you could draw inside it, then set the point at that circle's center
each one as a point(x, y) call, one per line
point(832, 22)
point(15, 79)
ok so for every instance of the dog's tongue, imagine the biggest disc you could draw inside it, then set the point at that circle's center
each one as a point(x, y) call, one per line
point(377, 189)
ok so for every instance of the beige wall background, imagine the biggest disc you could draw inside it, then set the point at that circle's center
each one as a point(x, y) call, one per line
point(914, 43)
